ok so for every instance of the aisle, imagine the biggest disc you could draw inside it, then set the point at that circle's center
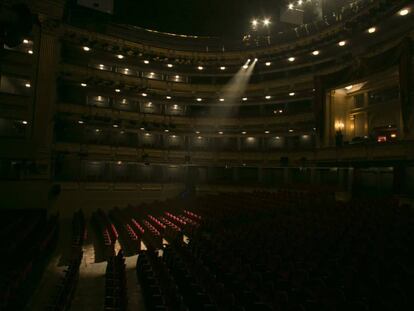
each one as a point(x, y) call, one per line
point(90, 292)
point(53, 273)
point(135, 298)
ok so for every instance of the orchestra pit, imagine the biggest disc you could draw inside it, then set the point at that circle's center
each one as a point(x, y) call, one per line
point(207, 155)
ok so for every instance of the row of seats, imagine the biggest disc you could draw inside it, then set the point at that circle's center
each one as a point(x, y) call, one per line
point(116, 298)
point(66, 288)
point(29, 238)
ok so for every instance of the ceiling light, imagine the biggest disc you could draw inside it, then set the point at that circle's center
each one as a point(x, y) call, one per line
point(290, 6)
point(244, 99)
point(80, 122)
point(315, 53)
point(404, 12)
point(291, 59)
point(151, 73)
point(255, 23)
point(24, 122)
point(197, 132)
point(221, 133)
point(221, 99)
point(177, 77)
point(290, 131)
point(268, 64)
point(349, 87)
point(115, 125)
point(267, 132)
point(142, 128)
point(169, 65)
point(147, 134)
point(266, 22)
point(117, 90)
point(25, 41)
point(222, 68)
point(119, 162)
point(168, 97)
point(120, 56)
point(268, 97)
point(144, 94)
point(101, 66)
point(199, 99)
point(27, 85)
point(200, 67)
point(342, 43)
point(97, 130)
point(372, 30)
point(199, 137)
point(146, 62)
point(175, 106)
point(86, 48)
point(280, 111)
point(300, 2)
point(244, 133)
point(173, 136)
point(30, 51)
point(292, 94)
point(166, 130)
point(83, 84)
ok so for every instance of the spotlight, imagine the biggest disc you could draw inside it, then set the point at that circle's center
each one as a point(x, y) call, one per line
point(24, 122)
point(292, 94)
point(86, 48)
point(300, 2)
point(199, 137)
point(120, 56)
point(200, 68)
point(144, 94)
point(175, 107)
point(28, 85)
point(147, 134)
point(169, 65)
point(268, 97)
point(97, 130)
point(117, 90)
point(349, 87)
point(256, 59)
point(372, 30)
point(290, 6)
point(199, 99)
point(255, 23)
point(315, 53)
point(168, 97)
point(166, 130)
point(197, 132)
point(342, 43)
point(115, 125)
point(221, 99)
point(244, 133)
point(268, 64)
point(25, 41)
point(30, 51)
point(266, 22)
point(244, 99)
point(291, 59)
point(267, 132)
point(220, 133)
point(119, 162)
point(245, 66)
point(222, 68)
point(177, 77)
point(146, 62)
point(83, 84)
point(404, 12)
point(80, 122)
point(290, 131)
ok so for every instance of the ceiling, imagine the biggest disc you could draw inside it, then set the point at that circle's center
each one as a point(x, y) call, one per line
point(223, 18)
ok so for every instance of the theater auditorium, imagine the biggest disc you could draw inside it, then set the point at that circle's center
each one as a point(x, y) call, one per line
point(222, 155)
